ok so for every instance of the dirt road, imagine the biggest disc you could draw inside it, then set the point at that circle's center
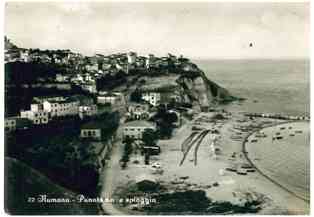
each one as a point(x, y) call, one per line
point(109, 175)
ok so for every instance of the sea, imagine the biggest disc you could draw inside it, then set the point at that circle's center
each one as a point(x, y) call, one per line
point(270, 86)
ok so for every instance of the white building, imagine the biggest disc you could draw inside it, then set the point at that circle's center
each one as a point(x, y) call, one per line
point(61, 78)
point(135, 129)
point(138, 111)
point(37, 117)
point(24, 56)
point(152, 98)
point(35, 107)
point(150, 61)
point(67, 107)
point(111, 98)
point(131, 57)
point(87, 111)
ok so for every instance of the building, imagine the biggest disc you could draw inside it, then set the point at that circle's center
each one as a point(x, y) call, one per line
point(87, 111)
point(13, 123)
point(10, 124)
point(150, 61)
point(138, 111)
point(60, 108)
point(131, 57)
point(24, 56)
point(35, 107)
point(91, 130)
point(90, 87)
point(152, 98)
point(109, 98)
point(135, 129)
point(62, 78)
point(37, 117)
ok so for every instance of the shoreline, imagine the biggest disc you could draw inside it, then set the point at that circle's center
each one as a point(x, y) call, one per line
point(244, 150)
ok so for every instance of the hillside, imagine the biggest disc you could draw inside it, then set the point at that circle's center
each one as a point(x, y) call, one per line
point(191, 85)
point(23, 182)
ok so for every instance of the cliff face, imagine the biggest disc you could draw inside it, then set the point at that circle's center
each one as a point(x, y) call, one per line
point(202, 92)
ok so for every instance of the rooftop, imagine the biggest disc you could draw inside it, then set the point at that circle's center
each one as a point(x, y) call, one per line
point(139, 123)
point(92, 125)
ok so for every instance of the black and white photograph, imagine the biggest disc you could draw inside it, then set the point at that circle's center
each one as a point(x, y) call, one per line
point(156, 108)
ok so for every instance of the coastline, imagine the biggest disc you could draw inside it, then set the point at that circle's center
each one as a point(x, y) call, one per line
point(259, 170)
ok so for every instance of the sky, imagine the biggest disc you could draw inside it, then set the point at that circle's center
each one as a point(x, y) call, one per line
point(196, 30)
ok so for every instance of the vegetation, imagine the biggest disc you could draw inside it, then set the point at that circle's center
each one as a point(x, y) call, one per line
point(165, 121)
point(110, 81)
point(18, 73)
point(64, 158)
point(128, 149)
point(149, 137)
point(136, 96)
point(24, 183)
point(196, 202)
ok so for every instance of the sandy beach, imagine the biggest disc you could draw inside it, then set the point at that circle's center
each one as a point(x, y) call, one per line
point(210, 168)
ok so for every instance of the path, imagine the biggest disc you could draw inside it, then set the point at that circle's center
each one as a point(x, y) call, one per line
point(109, 176)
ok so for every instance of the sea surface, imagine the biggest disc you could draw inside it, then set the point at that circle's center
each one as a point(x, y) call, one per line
point(274, 86)
point(286, 161)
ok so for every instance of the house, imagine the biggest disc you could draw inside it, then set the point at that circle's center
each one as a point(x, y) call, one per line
point(152, 98)
point(138, 111)
point(59, 108)
point(91, 130)
point(131, 57)
point(61, 78)
point(13, 123)
point(90, 87)
point(135, 129)
point(150, 61)
point(35, 107)
point(10, 124)
point(37, 117)
point(109, 98)
point(87, 110)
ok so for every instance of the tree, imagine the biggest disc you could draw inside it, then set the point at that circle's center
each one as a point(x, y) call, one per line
point(149, 137)
point(136, 96)
point(128, 148)
point(165, 129)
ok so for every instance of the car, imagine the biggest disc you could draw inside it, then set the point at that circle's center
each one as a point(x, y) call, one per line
point(156, 165)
